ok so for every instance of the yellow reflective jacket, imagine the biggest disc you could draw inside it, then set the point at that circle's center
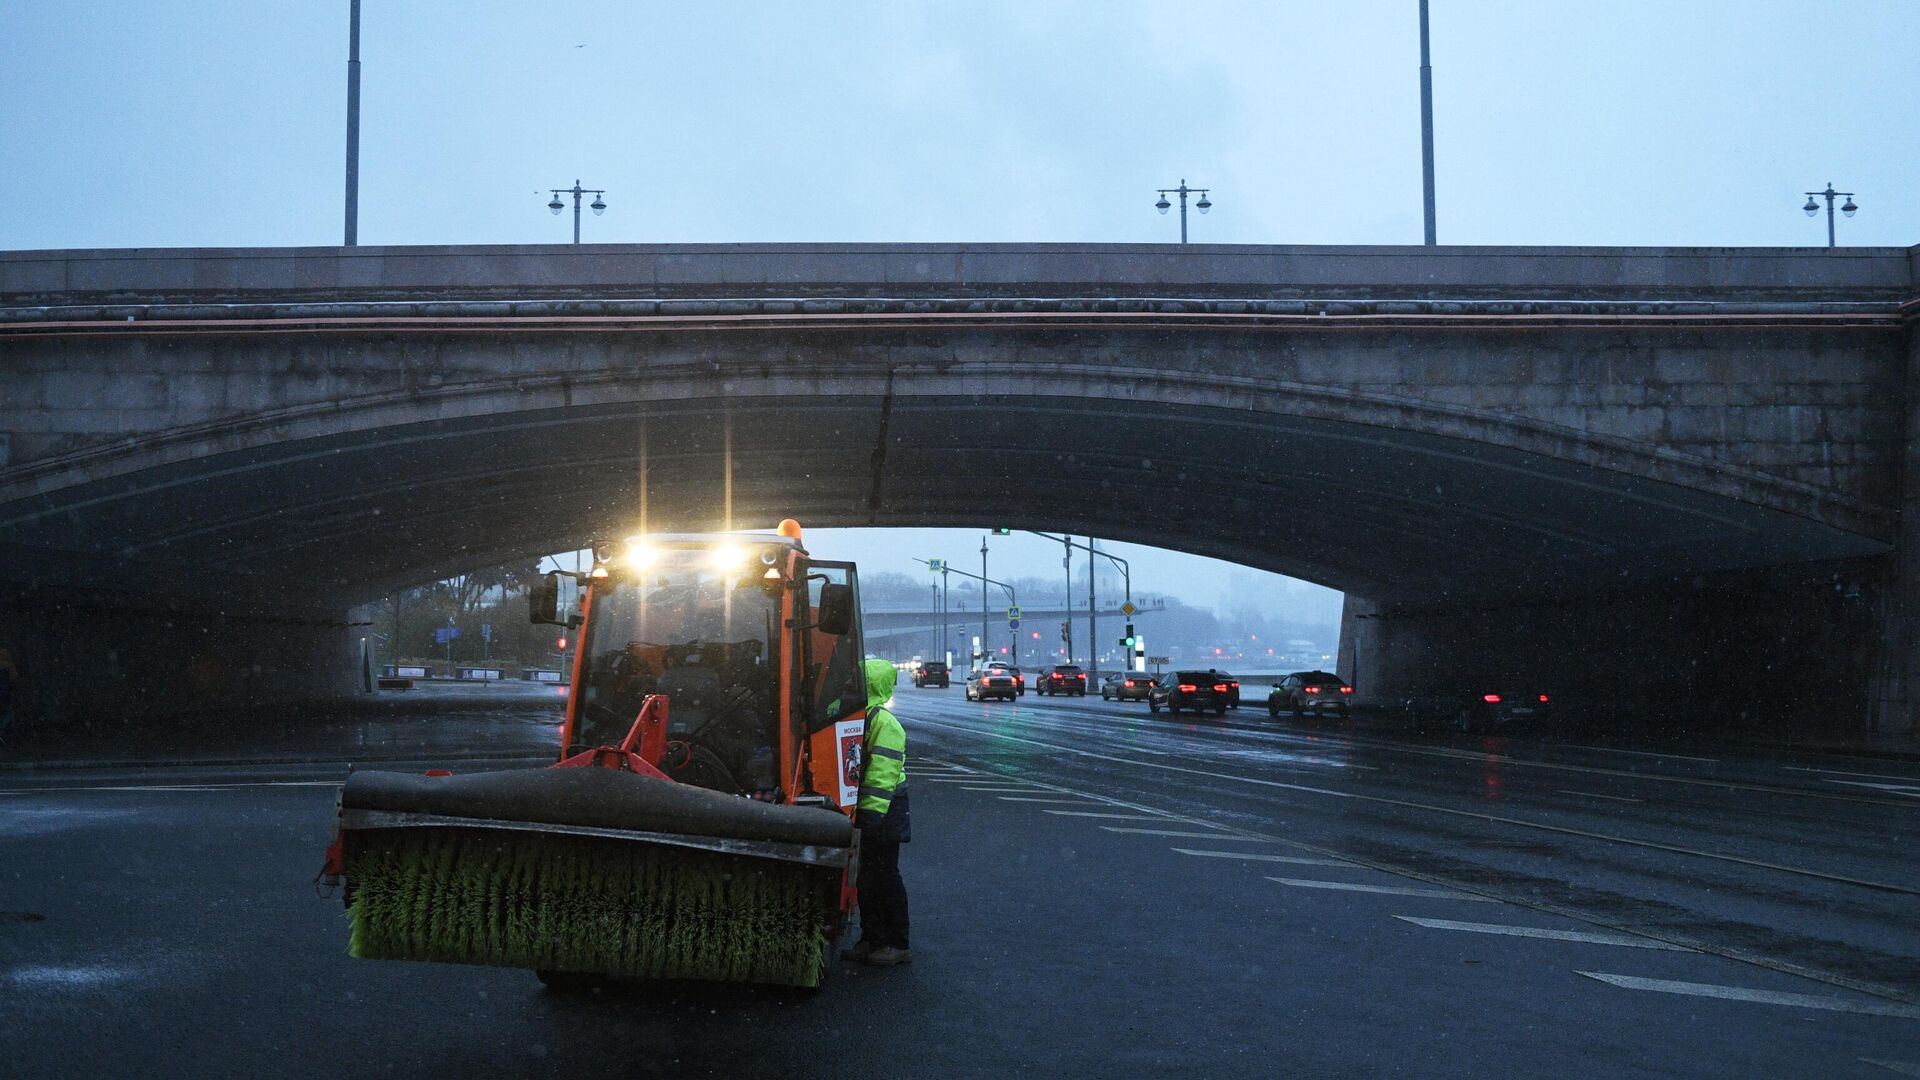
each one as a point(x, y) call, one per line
point(883, 781)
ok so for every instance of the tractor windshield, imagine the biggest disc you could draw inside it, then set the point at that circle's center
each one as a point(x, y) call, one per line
point(706, 637)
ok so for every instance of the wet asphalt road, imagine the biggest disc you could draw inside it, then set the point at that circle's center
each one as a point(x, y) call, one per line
point(1096, 892)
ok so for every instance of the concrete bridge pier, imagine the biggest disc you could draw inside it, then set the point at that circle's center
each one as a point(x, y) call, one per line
point(93, 660)
point(1762, 653)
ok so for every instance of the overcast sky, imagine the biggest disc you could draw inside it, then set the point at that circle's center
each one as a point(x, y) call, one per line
point(220, 122)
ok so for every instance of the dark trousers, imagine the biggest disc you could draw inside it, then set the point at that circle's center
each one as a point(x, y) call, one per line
point(883, 896)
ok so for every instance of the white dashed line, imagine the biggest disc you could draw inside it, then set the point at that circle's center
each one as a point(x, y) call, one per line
point(1594, 795)
point(170, 787)
point(1115, 817)
point(1910, 789)
point(1764, 997)
point(1904, 1068)
point(1625, 940)
point(1843, 772)
point(1023, 787)
point(1389, 890)
point(1646, 753)
point(1188, 835)
point(1017, 798)
point(1300, 860)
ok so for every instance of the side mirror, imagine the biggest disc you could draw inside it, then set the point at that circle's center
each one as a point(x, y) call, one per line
point(836, 609)
point(543, 600)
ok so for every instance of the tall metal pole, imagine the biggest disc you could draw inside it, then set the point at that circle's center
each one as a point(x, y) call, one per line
point(946, 653)
point(1066, 560)
point(353, 126)
point(983, 601)
point(1183, 239)
point(576, 210)
point(1426, 122)
point(1830, 194)
point(1093, 633)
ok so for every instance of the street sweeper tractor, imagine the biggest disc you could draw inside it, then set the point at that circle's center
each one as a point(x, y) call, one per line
point(698, 820)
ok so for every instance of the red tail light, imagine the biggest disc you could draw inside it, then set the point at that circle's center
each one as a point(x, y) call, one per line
point(1219, 688)
point(1543, 699)
point(1235, 683)
point(1346, 689)
point(1311, 689)
point(1491, 699)
point(1188, 688)
point(1082, 678)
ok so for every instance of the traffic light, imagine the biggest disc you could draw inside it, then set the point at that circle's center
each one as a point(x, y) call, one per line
point(1065, 629)
point(1128, 640)
point(560, 644)
point(1003, 532)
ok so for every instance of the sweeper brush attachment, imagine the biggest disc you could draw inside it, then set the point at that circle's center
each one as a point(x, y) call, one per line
point(593, 871)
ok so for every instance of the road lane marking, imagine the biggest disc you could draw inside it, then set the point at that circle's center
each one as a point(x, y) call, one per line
point(1911, 789)
point(170, 787)
point(1256, 856)
point(1116, 817)
point(1626, 940)
point(1409, 804)
point(1595, 795)
point(1765, 997)
point(1389, 890)
point(1904, 1068)
point(1081, 801)
point(1004, 787)
point(1534, 903)
point(1188, 835)
point(1644, 753)
point(1843, 772)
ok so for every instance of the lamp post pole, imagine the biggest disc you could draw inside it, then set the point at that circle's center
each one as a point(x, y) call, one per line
point(1812, 208)
point(353, 125)
point(598, 206)
point(1426, 123)
point(1183, 191)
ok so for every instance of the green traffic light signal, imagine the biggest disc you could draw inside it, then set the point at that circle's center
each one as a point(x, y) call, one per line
point(1003, 532)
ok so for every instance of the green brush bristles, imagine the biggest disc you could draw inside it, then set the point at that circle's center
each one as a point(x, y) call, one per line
point(585, 904)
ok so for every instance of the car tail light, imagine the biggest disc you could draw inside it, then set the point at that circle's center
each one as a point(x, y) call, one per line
point(1235, 684)
point(1311, 689)
point(1219, 688)
point(1543, 699)
point(1491, 699)
point(1081, 677)
point(1349, 690)
point(1188, 688)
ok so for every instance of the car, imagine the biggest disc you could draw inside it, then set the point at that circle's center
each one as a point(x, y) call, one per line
point(932, 673)
point(1233, 687)
point(1484, 708)
point(1309, 691)
point(991, 682)
point(1126, 686)
point(1194, 690)
point(1019, 679)
point(1063, 679)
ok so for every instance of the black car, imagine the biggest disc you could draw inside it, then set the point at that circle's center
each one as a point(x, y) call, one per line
point(1233, 686)
point(1498, 708)
point(1126, 686)
point(1064, 679)
point(989, 682)
point(1309, 691)
point(932, 673)
point(1192, 690)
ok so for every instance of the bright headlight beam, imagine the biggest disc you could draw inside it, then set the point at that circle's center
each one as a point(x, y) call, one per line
point(729, 556)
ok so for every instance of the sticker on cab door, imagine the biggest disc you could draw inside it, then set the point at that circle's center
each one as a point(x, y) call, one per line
point(852, 735)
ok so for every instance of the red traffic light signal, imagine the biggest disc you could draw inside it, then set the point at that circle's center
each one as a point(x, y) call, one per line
point(561, 645)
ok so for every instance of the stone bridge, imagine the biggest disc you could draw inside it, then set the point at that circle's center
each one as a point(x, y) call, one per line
point(1662, 481)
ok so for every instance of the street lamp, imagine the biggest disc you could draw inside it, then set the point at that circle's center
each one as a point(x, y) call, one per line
point(599, 204)
point(1848, 208)
point(1203, 205)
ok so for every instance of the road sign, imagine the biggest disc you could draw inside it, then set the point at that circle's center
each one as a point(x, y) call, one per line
point(444, 634)
point(486, 630)
point(936, 565)
point(1013, 624)
point(1013, 614)
point(1128, 608)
